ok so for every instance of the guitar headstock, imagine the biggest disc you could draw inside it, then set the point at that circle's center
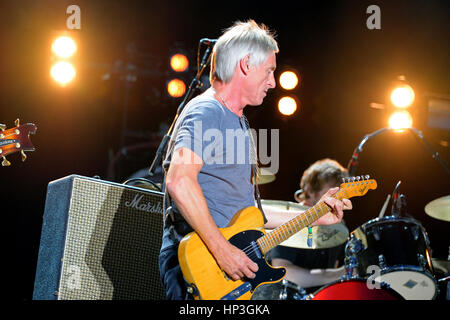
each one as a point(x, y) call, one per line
point(16, 139)
point(357, 186)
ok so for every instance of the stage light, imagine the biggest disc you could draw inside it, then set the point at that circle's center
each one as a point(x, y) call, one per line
point(288, 80)
point(179, 62)
point(63, 72)
point(400, 120)
point(176, 88)
point(287, 106)
point(64, 47)
point(402, 96)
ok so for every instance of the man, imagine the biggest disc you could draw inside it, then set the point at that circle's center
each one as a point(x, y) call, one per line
point(207, 183)
point(306, 267)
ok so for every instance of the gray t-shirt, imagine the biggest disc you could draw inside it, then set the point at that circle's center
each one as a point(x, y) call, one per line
point(221, 139)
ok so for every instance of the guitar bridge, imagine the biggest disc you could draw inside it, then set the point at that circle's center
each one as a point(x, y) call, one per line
point(239, 291)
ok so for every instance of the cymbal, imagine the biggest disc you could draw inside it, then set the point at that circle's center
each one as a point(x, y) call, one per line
point(439, 208)
point(265, 176)
point(322, 236)
point(441, 265)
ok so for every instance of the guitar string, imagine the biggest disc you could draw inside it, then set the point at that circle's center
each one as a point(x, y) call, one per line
point(250, 250)
point(11, 134)
point(283, 228)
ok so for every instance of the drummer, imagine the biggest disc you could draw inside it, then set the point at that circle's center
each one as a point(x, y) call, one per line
point(310, 268)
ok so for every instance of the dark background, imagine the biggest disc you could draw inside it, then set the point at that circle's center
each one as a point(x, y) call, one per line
point(343, 68)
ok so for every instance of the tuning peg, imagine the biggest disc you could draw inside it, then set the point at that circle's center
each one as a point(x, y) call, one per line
point(367, 177)
point(358, 178)
point(5, 162)
point(17, 122)
point(2, 126)
point(24, 156)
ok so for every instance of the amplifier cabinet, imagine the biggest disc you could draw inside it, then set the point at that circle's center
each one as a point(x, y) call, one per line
point(100, 240)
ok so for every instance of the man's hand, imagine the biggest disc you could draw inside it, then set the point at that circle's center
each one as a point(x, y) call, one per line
point(337, 208)
point(235, 263)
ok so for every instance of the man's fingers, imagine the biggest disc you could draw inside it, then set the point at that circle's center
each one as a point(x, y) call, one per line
point(335, 205)
point(250, 268)
point(331, 191)
point(238, 274)
point(249, 274)
point(253, 267)
point(243, 265)
point(347, 204)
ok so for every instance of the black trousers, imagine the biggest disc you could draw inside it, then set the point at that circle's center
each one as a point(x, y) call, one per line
point(169, 266)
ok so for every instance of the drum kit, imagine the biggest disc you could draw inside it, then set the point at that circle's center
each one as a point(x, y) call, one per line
point(386, 258)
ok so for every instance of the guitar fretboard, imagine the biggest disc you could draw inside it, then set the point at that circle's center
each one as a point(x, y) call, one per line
point(271, 239)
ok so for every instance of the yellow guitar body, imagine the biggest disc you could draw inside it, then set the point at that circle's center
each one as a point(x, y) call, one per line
point(246, 232)
point(202, 272)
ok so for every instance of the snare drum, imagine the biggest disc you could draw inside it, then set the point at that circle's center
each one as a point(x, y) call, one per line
point(283, 290)
point(354, 289)
point(399, 246)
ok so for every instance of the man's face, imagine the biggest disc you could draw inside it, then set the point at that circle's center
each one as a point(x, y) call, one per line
point(260, 80)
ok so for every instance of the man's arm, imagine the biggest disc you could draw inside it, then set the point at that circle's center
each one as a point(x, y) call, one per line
point(307, 278)
point(182, 185)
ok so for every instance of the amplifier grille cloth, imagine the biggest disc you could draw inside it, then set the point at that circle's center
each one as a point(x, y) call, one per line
point(110, 251)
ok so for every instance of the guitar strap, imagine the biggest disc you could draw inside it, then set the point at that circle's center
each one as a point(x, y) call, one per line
point(255, 168)
point(258, 201)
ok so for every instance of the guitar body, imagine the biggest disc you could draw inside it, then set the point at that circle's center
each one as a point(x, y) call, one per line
point(246, 231)
point(202, 272)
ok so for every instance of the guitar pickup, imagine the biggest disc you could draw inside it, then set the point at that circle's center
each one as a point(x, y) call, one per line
point(256, 249)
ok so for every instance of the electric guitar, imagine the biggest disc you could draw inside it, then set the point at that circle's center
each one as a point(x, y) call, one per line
point(206, 280)
point(16, 139)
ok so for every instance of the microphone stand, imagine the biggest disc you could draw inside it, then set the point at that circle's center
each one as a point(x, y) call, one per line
point(434, 154)
point(353, 163)
point(195, 83)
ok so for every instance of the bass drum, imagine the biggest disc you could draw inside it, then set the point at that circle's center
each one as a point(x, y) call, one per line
point(354, 289)
point(283, 290)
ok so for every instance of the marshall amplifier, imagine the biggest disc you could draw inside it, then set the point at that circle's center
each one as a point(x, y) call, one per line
point(100, 240)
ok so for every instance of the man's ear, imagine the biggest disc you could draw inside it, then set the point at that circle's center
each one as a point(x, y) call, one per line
point(244, 65)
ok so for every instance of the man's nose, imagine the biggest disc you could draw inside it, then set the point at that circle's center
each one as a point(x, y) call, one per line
point(272, 82)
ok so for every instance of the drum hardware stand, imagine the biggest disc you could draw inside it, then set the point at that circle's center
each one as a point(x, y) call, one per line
point(421, 259)
point(383, 209)
point(284, 292)
point(382, 261)
point(352, 248)
point(399, 204)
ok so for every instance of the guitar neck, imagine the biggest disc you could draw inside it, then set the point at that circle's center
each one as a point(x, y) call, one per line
point(271, 239)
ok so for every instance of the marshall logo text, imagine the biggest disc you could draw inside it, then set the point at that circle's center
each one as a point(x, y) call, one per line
point(147, 207)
